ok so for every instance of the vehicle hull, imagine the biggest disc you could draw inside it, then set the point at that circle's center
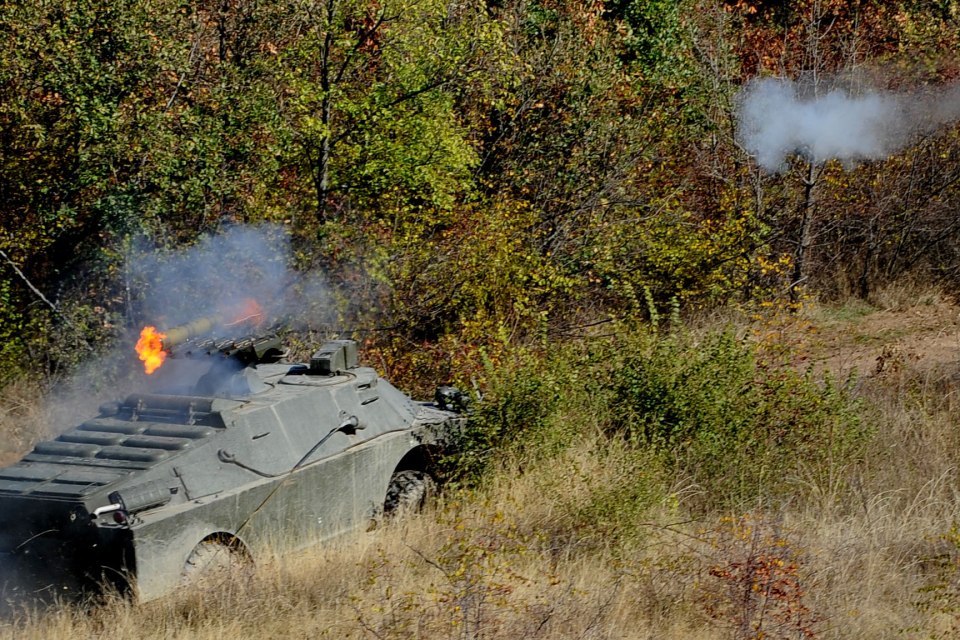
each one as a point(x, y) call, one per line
point(126, 497)
point(318, 503)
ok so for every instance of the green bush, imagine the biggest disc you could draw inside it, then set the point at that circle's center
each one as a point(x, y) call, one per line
point(710, 415)
point(518, 408)
point(738, 427)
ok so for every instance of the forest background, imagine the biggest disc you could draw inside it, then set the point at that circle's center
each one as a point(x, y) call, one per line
point(460, 172)
point(547, 203)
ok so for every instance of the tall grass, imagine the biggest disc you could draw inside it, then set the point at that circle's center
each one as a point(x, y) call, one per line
point(23, 419)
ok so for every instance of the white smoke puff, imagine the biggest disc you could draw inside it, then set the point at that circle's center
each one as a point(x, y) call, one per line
point(775, 121)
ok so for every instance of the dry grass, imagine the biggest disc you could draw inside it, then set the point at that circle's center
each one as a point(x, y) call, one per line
point(505, 564)
point(519, 559)
point(23, 419)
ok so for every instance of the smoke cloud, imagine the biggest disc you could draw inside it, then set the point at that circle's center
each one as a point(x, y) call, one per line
point(778, 118)
point(221, 272)
point(171, 287)
point(224, 274)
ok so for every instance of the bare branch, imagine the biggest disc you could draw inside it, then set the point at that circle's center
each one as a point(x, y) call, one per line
point(39, 294)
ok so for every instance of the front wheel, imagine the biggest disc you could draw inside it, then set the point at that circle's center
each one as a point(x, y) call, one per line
point(408, 492)
point(215, 562)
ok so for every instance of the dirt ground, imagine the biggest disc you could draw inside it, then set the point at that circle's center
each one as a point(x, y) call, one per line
point(871, 341)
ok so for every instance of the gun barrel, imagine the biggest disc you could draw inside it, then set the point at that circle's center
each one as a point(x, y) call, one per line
point(199, 327)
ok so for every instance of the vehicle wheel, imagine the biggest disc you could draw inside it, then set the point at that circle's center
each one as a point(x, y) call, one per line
point(214, 562)
point(408, 491)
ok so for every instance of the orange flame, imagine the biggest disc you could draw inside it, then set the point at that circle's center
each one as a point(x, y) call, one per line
point(150, 348)
point(248, 310)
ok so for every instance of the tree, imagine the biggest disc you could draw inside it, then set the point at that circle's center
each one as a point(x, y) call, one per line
point(369, 92)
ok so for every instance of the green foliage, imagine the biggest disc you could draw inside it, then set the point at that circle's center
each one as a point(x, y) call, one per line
point(654, 37)
point(710, 413)
point(472, 173)
point(516, 414)
point(371, 98)
point(739, 426)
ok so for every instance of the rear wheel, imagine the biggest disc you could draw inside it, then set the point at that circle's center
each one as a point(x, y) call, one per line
point(214, 562)
point(408, 492)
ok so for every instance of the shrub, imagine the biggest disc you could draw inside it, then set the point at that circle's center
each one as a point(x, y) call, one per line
point(742, 428)
point(708, 413)
point(757, 588)
point(521, 401)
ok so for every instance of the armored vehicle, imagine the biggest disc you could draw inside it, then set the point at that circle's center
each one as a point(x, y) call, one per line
point(257, 454)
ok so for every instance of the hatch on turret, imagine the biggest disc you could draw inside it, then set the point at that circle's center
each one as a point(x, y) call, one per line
point(333, 357)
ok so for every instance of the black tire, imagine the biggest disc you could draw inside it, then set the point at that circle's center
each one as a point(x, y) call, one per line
point(215, 562)
point(408, 492)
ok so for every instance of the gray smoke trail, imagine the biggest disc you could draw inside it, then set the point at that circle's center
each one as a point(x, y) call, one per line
point(216, 273)
point(776, 120)
point(170, 287)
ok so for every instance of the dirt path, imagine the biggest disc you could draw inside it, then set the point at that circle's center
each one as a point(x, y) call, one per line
point(874, 341)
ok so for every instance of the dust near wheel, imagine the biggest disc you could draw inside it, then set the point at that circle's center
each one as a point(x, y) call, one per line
point(214, 562)
point(408, 492)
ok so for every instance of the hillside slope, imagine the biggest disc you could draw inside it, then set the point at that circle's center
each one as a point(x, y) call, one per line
point(595, 538)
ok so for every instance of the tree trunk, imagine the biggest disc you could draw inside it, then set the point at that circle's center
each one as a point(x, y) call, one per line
point(806, 233)
point(322, 175)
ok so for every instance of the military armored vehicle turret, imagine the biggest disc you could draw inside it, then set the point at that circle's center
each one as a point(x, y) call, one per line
point(258, 454)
